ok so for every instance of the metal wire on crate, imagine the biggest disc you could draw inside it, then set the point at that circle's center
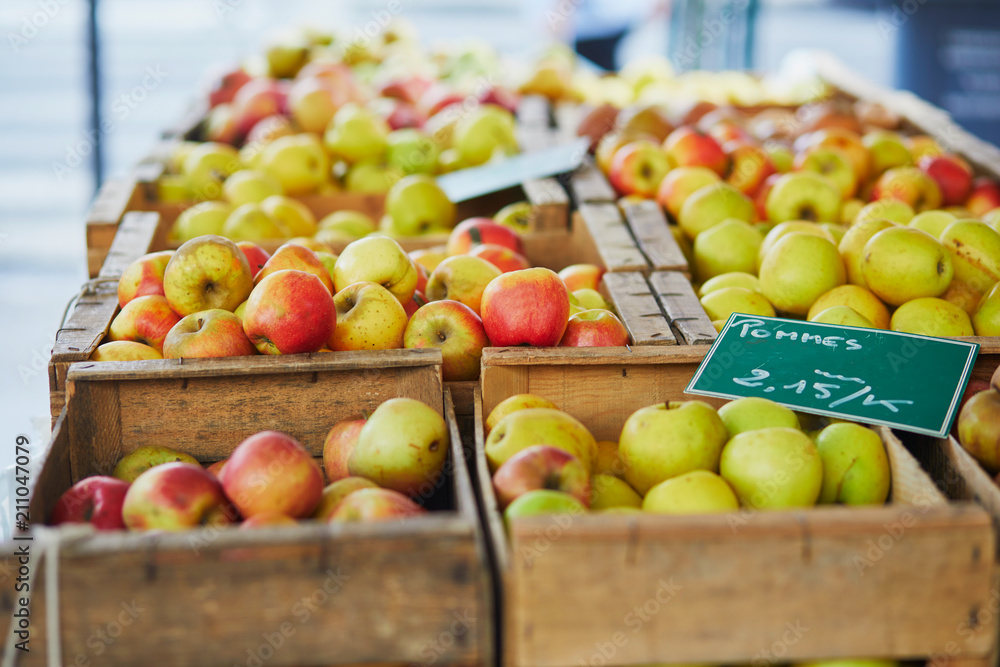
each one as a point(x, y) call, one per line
point(89, 288)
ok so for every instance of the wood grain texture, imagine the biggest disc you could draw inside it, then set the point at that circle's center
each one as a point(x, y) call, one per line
point(652, 233)
point(588, 185)
point(650, 589)
point(638, 309)
point(611, 236)
point(549, 202)
point(136, 236)
point(677, 299)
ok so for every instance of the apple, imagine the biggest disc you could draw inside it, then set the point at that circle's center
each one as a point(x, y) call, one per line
point(498, 96)
point(475, 231)
point(418, 205)
point(337, 447)
point(513, 404)
point(286, 53)
point(146, 319)
point(348, 224)
point(335, 492)
point(974, 248)
point(205, 273)
point(289, 312)
point(207, 217)
point(369, 317)
point(832, 163)
point(732, 279)
point(292, 256)
point(855, 466)
point(371, 177)
point(258, 99)
point(298, 162)
point(143, 277)
point(590, 299)
point(979, 429)
point(930, 316)
point(210, 333)
point(139, 460)
point(408, 88)
point(751, 167)
point(687, 147)
point(375, 505)
point(695, 492)
point(526, 427)
point(398, 115)
point(271, 472)
point(581, 276)
point(680, 183)
point(886, 150)
point(500, 256)
point(751, 413)
point(843, 316)
point(845, 140)
point(255, 255)
point(720, 303)
point(637, 169)
point(217, 468)
point(518, 216)
point(540, 502)
point(250, 222)
point(403, 446)
point(224, 87)
point(712, 204)
point(608, 491)
point(798, 270)
point(860, 299)
point(731, 245)
point(986, 316)
point(803, 195)
point(313, 101)
point(96, 500)
point(483, 132)
point(911, 185)
point(985, 196)
point(773, 468)
point(525, 307)
point(456, 329)
point(903, 263)
point(291, 214)
point(461, 278)
point(356, 134)
point(250, 186)
point(932, 222)
point(952, 175)
point(173, 496)
point(541, 467)
point(669, 439)
point(595, 328)
point(412, 151)
point(207, 166)
point(380, 260)
point(125, 350)
point(596, 123)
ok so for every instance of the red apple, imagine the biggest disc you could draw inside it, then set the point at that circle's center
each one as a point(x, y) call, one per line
point(338, 446)
point(501, 257)
point(422, 275)
point(416, 301)
point(595, 328)
point(298, 258)
point(221, 126)
point(687, 147)
point(269, 129)
point(257, 100)
point(173, 496)
point(408, 89)
point(143, 277)
point(475, 231)
point(313, 101)
point(529, 307)
point(751, 166)
point(680, 183)
point(400, 115)
point(147, 320)
point(499, 96)
point(97, 500)
point(289, 312)
point(581, 276)
point(985, 196)
point(210, 333)
point(225, 87)
point(454, 328)
point(217, 468)
point(437, 97)
point(541, 467)
point(256, 256)
point(271, 472)
point(375, 505)
point(952, 176)
point(267, 519)
point(637, 168)
point(760, 197)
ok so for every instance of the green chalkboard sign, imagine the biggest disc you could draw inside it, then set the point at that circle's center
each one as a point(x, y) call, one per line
point(901, 380)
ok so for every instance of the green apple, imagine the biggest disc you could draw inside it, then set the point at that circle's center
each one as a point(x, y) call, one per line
point(371, 176)
point(669, 439)
point(249, 222)
point(779, 231)
point(541, 502)
point(855, 465)
point(298, 162)
point(695, 492)
point(932, 222)
point(832, 163)
point(803, 195)
point(859, 299)
point(286, 53)
point(986, 318)
point(852, 246)
point(886, 150)
point(143, 458)
point(752, 413)
point(729, 246)
point(849, 211)
point(835, 230)
point(710, 205)
point(773, 468)
point(608, 491)
point(412, 151)
point(207, 217)
point(290, 214)
point(892, 210)
point(590, 299)
point(335, 492)
point(353, 224)
point(902, 263)
point(403, 446)
point(844, 316)
point(380, 260)
point(732, 279)
point(250, 186)
point(974, 247)
point(483, 132)
point(721, 303)
point(518, 216)
point(207, 166)
point(798, 270)
point(418, 205)
point(930, 316)
point(356, 134)
point(514, 403)
point(539, 426)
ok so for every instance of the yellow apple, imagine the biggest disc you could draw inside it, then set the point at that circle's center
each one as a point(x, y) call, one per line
point(986, 319)
point(607, 461)
point(932, 222)
point(779, 231)
point(852, 246)
point(291, 214)
point(607, 491)
point(860, 299)
point(696, 492)
point(377, 259)
point(250, 186)
point(732, 279)
point(751, 413)
point(855, 465)
point(932, 317)
point(974, 247)
point(207, 217)
point(798, 270)
point(721, 303)
point(773, 468)
point(369, 317)
point(902, 263)
point(843, 316)
point(515, 403)
point(892, 210)
point(298, 162)
point(729, 246)
point(539, 426)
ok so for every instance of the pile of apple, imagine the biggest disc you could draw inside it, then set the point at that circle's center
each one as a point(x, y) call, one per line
point(214, 298)
point(836, 220)
point(680, 458)
point(375, 468)
point(978, 424)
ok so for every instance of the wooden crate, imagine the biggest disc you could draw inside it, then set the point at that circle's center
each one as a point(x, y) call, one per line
point(410, 592)
point(759, 588)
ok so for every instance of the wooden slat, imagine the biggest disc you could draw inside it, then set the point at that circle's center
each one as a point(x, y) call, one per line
point(550, 204)
point(638, 309)
point(652, 232)
point(680, 303)
point(611, 236)
point(588, 185)
point(136, 237)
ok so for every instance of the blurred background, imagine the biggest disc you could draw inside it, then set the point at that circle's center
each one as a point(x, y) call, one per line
point(132, 66)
